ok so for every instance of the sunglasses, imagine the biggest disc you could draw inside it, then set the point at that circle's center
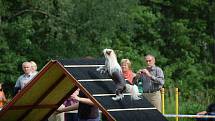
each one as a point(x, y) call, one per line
point(148, 60)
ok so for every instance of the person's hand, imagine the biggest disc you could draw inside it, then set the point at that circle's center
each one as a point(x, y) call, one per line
point(140, 72)
point(75, 97)
point(58, 111)
point(202, 113)
point(146, 72)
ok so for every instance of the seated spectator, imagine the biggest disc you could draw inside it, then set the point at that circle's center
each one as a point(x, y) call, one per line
point(131, 77)
point(127, 71)
point(132, 84)
point(210, 111)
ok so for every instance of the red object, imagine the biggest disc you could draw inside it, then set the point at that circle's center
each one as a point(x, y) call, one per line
point(129, 75)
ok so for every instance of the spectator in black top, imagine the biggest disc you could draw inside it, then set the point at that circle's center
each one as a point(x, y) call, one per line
point(210, 111)
point(87, 111)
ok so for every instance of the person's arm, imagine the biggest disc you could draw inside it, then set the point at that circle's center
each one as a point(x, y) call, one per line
point(158, 78)
point(17, 86)
point(202, 113)
point(136, 78)
point(16, 90)
point(83, 100)
point(69, 108)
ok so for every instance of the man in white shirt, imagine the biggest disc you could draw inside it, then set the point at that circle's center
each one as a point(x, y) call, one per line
point(24, 78)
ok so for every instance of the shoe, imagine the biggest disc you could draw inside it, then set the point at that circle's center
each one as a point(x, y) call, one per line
point(118, 97)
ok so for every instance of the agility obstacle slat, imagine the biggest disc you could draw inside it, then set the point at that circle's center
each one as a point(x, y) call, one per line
point(99, 87)
point(81, 73)
point(127, 102)
point(138, 115)
point(82, 61)
point(83, 66)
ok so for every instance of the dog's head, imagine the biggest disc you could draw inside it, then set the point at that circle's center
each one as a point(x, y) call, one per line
point(110, 54)
point(107, 51)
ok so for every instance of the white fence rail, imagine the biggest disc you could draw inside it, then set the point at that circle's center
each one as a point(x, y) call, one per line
point(189, 116)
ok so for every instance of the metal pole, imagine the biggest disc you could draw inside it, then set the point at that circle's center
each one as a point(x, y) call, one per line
point(163, 104)
point(189, 116)
point(176, 103)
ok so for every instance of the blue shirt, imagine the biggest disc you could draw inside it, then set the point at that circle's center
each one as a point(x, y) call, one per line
point(23, 80)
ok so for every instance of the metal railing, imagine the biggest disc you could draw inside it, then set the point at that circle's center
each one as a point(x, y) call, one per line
point(177, 115)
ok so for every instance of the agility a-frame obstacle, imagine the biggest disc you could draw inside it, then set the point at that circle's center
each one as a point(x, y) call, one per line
point(59, 79)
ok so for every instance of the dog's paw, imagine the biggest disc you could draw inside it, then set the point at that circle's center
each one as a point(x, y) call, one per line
point(99, 69)
point(102, 71)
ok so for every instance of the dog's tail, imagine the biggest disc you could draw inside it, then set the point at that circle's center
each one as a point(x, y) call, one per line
point(134, 91)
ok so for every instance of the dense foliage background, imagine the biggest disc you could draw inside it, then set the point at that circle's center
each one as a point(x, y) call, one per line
point(180, 33)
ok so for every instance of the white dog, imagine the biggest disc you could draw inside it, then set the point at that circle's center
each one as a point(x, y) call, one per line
point(113, 68)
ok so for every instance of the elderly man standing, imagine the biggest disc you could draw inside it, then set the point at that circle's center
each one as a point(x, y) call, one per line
point(24, 78)
point(152, 79)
